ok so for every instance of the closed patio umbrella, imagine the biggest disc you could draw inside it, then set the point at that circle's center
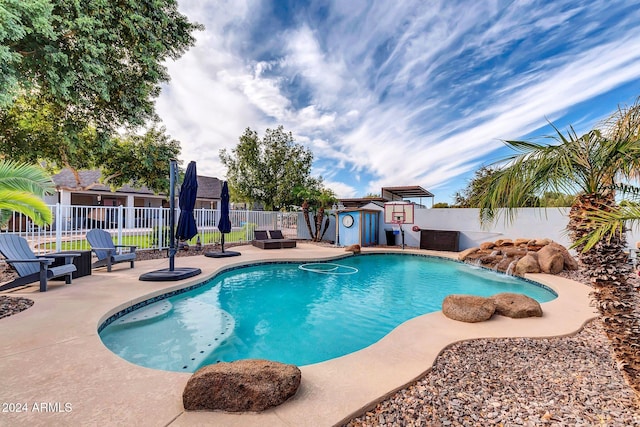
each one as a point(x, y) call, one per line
point(187, 228)
point(224, 225)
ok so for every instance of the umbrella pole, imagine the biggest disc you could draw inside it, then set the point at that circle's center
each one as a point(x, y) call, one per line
point(172, 214)
point(222, 241)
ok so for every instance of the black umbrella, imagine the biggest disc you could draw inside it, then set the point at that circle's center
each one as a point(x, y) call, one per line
point(224, 225)
point(187, 228)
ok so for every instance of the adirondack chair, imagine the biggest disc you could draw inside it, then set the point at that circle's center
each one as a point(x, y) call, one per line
point(31, 268)
point(107, 252)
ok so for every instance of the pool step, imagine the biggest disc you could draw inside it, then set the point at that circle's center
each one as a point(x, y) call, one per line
point(216, 330)
point(149, 312)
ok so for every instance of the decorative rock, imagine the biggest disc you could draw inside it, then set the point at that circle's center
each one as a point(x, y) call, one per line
point(504, 242)
point(504, 264)
point(521, 241)
point(468, 308)
point(464, 254)
point(527, 264)
point(243, 385)
point(487, 245)
point(353, 248)
point(516, 306)
point(542, 242)
point(514, 252)
point(550, 260)
point(570, 262)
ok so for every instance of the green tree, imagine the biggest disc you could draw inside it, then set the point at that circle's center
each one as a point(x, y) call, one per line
point(267, 170)
point(22, 187)
point(553, 199)
point(139, 160)
point(441, 205)
point(105, 59)
point(476, 189)
point(593, 165)
point(29, 134)
point(74, 72)
point(315, 199)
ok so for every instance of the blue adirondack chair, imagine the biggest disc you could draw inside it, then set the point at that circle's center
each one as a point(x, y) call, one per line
point(31, 268)
point(106, 251)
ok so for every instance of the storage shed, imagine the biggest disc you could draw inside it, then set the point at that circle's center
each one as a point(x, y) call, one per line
point(358, 227)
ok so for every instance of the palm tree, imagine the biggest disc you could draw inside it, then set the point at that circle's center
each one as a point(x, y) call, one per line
point(306, 194)
point(593, 166)
point(325, 198)
point(21, 189)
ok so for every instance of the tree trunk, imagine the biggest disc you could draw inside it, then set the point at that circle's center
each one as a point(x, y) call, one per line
point(616, 299)
point(327, 222)
point(319, 218)
point(305, 213)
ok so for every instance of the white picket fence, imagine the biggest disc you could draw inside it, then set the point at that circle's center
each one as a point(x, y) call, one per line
point(147, 228)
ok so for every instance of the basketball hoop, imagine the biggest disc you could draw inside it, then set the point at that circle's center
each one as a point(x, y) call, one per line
point(396, 214)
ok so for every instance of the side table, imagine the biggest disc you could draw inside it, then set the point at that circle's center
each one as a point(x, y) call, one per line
point(82, 263)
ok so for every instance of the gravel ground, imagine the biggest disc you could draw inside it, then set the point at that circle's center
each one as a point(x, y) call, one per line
point(568, 381)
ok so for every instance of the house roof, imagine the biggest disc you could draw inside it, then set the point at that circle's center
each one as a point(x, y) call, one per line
point(208, 187)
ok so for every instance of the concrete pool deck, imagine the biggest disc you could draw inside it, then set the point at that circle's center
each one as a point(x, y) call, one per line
point(54, 369)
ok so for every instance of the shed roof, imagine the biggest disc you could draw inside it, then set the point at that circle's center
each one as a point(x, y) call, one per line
point(406, 192)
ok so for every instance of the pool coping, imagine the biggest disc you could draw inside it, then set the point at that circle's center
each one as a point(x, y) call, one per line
point(52, 353)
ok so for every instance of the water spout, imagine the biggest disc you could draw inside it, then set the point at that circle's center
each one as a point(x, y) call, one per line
point(511, 268)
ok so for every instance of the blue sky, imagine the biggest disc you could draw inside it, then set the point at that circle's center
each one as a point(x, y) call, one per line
point(391, 93)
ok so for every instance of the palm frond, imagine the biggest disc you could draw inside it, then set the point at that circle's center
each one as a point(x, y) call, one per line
point(605, 225)
point(27, 204)
point(24, 177)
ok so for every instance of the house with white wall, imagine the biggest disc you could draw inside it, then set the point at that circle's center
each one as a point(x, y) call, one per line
point(90, 192)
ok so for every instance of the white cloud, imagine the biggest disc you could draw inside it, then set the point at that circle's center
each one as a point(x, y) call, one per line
point(392, 94)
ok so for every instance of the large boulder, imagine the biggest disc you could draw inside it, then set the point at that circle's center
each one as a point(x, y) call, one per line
point(550, 260)
point(516, 306)
point(468, 308)
point(243, 385)
point(570, 262)
point(527, 264)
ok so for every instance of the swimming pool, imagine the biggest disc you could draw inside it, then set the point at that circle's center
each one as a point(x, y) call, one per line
point(299, 313)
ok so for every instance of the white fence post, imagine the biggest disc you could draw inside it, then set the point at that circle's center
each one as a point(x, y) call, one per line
point(120, 223)
point(59, 225)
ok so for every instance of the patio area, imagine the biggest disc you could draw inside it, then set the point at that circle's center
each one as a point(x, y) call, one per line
point(53, 359)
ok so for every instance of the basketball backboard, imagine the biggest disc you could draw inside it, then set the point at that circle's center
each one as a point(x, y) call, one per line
point(398, 213)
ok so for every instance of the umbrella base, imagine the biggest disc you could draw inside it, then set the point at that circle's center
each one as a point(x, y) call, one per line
point(166, 275)
point(224, 254)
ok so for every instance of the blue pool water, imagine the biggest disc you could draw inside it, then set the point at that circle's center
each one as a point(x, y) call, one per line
point(297, 314)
